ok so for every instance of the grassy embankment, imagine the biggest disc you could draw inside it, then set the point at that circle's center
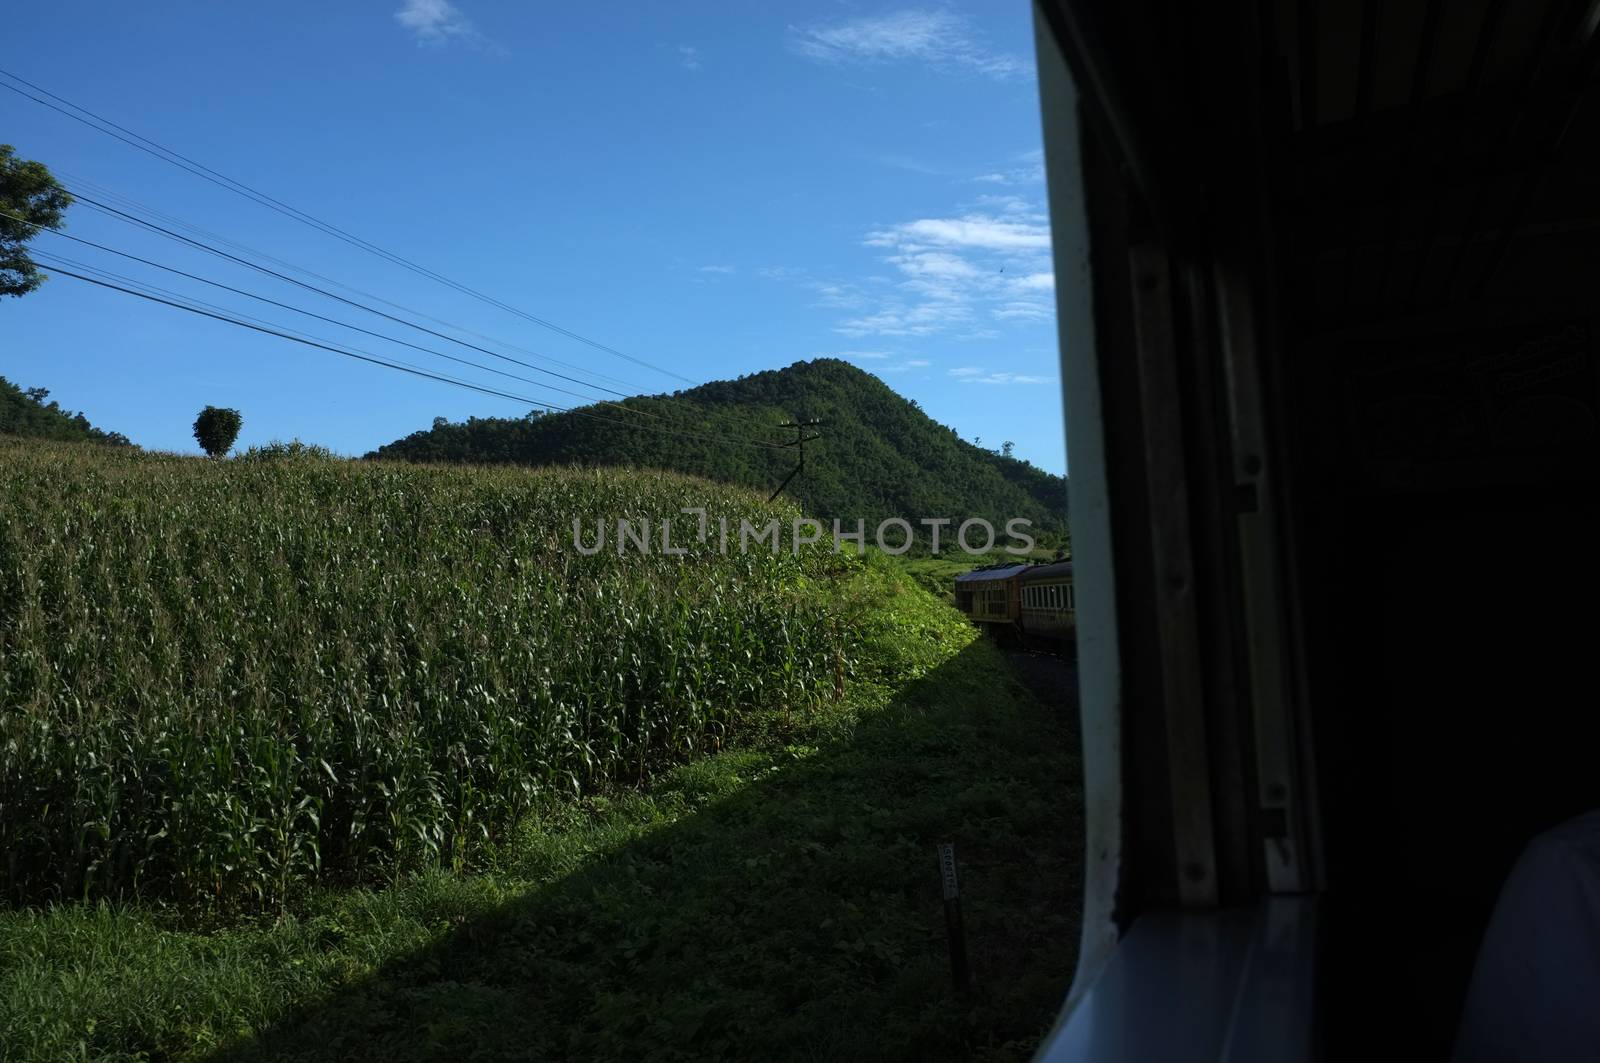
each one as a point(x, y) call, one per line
point(660, 809)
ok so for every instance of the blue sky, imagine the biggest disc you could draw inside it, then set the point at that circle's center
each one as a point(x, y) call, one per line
point(716, 188)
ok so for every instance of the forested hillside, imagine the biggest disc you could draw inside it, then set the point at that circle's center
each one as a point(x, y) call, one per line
point(878, 456)
point(26, 413)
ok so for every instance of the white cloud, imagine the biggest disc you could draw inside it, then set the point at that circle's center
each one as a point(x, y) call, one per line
point(902, 320)
point(437, 22)
point(934, 264)
point(1023, 168)
point(717, 269)
point(877, 361)
point(1009, 204)
point(1024, 175)
point(972, 230)
point(837, 296)
point(689, 56)
point(939, 39)
point(960, 273)
point(970, 375)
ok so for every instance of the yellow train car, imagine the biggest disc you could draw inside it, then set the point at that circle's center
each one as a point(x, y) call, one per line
point(1048, 606)
point(989, 595)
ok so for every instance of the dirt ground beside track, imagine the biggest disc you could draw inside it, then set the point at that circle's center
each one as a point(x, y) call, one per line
point(1052, 679)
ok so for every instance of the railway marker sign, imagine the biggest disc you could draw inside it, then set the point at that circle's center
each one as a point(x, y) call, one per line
point(952, 918)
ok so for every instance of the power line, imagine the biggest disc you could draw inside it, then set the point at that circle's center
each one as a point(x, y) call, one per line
point(403, 367)
point(134, 204)
point(319, 317)
point(747, 422)
point(202, 245)
point(183, 162)
point(188, 301)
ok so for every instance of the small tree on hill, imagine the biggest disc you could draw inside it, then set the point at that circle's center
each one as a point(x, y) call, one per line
point(216, 429)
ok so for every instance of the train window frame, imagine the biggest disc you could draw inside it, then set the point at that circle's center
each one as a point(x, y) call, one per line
point(1098, 643)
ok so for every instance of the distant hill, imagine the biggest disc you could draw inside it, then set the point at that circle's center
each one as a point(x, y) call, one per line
point(26, 413)
point(879, 456)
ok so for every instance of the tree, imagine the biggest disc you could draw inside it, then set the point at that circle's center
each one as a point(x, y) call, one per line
point(27, 190)
point(216, 429)
point(1006, 448)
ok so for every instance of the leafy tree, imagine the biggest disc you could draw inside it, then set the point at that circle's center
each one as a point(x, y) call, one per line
point(24, 412)
point(1006, 448)
point(27, 190)
point(216, 429)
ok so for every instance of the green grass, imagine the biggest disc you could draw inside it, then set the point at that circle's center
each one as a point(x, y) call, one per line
point(777, 898)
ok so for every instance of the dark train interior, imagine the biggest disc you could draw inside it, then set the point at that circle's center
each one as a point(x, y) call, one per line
point(1343, 396)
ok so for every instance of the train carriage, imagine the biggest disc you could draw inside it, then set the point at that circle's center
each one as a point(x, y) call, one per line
point(1028, 603)
point(989, 595)
point(1048, 605)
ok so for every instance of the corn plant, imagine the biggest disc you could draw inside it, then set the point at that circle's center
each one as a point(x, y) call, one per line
point(221, 681)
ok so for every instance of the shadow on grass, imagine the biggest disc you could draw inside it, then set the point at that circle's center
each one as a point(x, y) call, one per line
point(792, 910)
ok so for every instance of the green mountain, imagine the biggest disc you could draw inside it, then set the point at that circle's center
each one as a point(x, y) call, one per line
point(25, 413)
point(878, 454)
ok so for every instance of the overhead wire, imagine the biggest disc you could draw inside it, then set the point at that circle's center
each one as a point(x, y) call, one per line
point(133, 219)
point(135, 205)
point(256, 325)
point(151, 147)
point(203, 246)
point(320, 317)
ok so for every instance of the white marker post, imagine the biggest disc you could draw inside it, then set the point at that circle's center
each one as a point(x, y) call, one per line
point(952, 918)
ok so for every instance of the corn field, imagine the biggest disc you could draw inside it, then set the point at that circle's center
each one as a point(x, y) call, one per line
point(222, 681)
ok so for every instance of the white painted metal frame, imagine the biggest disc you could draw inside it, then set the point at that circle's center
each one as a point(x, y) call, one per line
point(1099, 657)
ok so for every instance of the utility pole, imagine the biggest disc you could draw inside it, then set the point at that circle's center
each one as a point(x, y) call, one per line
point(800, 440)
